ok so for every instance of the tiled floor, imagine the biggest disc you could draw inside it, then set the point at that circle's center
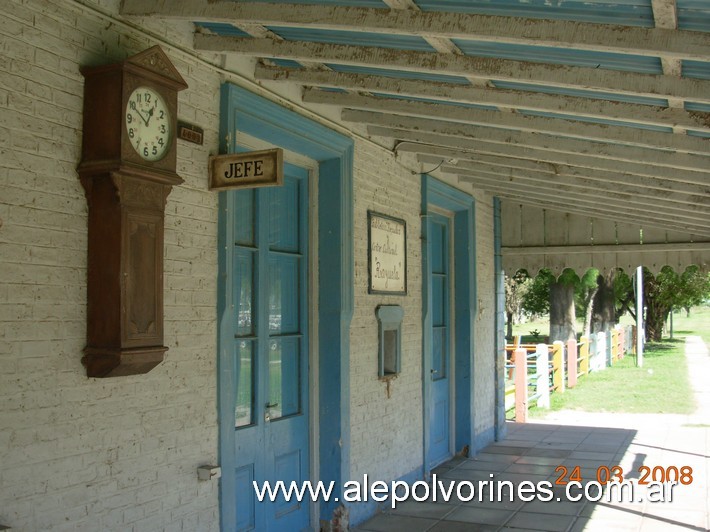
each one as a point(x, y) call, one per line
point(532, 452)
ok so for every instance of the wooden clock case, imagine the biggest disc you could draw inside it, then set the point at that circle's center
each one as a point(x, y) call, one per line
point(126, 196)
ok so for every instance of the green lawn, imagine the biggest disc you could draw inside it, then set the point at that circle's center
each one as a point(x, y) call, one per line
point(660, 386)
point(698, 323)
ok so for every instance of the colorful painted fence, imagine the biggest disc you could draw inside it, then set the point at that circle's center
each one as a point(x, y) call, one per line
point(534, 371)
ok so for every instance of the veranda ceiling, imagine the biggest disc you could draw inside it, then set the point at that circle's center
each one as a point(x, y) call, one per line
point(596, 107)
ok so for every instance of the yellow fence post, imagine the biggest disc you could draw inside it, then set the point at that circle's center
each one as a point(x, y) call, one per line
point(558, 366)
point(521, 385)
point(614, 344)
point(584, 355)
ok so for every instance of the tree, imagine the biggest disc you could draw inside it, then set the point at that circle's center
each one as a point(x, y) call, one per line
point(584, 297)
point(604, 306)
point(562, 312)
point(668, 290)
point(624, 294)
point(537, 297)
point(516, 286)
point(694, 289)
point(558, 297)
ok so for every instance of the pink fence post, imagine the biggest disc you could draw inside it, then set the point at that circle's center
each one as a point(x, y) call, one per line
point(571, 363)
point(521, 385)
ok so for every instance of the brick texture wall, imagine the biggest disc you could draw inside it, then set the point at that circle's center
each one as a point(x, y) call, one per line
point(484, 332)
point(121, 454)
point(79, 453)
point(386, 419)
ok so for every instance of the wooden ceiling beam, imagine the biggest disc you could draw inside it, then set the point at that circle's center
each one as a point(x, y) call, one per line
point(502, 98)
point(595, 209)
point(560, 165)
point(463, 65)
point(510, 169)
point(531, 124)
point(658, 41)
point(545, 141)
point(641, 162)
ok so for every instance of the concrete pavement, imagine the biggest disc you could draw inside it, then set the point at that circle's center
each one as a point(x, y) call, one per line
point(535, 451)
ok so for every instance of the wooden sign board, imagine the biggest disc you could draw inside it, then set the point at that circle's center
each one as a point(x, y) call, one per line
point(387, 254)
point(190, 132)
point(252, 169)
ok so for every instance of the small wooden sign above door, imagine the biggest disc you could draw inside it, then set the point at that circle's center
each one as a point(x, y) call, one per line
point(247, 170)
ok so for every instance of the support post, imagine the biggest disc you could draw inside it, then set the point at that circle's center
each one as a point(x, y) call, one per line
point(609, 345)
point(572, 363)
point(542, 368)
point(558, 365)
point(639, 316)
point(599, 360)
point(521, 385)
point(584, 355)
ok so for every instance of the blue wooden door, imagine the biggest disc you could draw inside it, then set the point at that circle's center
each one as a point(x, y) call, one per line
point(439, 235)
point(265, 388)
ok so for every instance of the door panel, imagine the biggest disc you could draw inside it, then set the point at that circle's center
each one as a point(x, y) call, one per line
point(269, 391)
point(245, 501)
point(439, 234)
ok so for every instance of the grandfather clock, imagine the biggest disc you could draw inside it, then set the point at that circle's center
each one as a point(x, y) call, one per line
point(127, 170)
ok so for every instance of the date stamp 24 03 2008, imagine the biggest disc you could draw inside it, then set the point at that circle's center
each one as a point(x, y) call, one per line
point(604, 474)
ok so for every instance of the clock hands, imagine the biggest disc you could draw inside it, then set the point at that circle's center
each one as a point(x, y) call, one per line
point(146, 121)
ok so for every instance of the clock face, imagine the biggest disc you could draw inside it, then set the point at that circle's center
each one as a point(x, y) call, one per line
point(148, 123)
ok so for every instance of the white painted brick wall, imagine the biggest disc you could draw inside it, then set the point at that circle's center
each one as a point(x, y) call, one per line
point(386, 431)
point(484, 333)
point(121, 454)
point(79, 453)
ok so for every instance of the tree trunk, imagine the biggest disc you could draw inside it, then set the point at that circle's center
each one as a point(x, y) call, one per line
point(604, 314)
point(656, 309)
point(655, 319)
point(509, 325)
point(588, 312)
point(562, 317)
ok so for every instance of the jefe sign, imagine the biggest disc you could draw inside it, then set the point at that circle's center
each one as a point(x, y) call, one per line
point(246, 170)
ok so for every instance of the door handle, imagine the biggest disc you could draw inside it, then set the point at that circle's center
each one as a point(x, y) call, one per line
point(434, 371)
point(267, 413)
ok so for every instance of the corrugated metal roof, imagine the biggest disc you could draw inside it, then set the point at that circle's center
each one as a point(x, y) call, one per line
point(624, 12)
point(353, 3)
point(590, 120)
point(353, 38)
point(440, 102)
point(596, 95)
point(222, 29)
point(693, 106)
point(562, 56)
point(696, 69)
point(642, 132)
point(693, 15)
point(399, 74)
